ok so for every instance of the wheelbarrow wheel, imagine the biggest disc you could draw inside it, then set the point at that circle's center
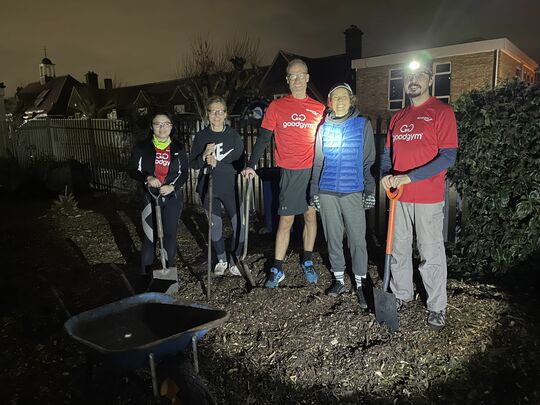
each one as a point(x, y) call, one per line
point(180, 384)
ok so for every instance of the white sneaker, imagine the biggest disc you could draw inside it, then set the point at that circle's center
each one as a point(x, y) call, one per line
point(234, 270)
point(220, 268)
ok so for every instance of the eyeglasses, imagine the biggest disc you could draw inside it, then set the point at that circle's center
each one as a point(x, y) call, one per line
point(162, 124)
point(216, 112)
point(293, 76)
point(418, 76)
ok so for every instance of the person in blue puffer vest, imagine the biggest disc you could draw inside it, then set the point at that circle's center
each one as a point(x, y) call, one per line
point(342, 186)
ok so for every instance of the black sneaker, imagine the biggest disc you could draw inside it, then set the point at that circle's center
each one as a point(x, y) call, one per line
point(399, 304)
point(436, 319)
point(336, 289)
point(361, 299)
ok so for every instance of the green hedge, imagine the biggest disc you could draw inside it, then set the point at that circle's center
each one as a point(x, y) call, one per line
point(498, 175)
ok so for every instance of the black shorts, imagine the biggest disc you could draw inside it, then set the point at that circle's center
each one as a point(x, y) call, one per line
point(294, 191)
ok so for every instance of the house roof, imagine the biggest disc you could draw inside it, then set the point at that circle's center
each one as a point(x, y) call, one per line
point(50, 98)
point(503, 44)
point(323, 73)
point(159, 93)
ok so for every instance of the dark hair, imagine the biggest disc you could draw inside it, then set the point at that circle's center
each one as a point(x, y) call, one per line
point(174, 131)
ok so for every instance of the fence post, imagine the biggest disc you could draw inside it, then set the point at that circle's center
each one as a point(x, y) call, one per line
point(52, 144)
point(93, 151)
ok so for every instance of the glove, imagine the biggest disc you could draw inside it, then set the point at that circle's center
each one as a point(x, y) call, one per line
point(368, 200)
point(315, 203)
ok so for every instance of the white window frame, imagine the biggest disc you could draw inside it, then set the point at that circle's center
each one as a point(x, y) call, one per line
point(435, 74)
point(519, 75)
point(390, 78)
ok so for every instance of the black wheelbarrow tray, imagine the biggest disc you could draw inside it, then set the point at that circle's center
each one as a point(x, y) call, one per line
point(142, 329)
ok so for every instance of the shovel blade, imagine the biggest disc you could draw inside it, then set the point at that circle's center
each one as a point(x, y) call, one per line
point(386, 309)
point(245, 270)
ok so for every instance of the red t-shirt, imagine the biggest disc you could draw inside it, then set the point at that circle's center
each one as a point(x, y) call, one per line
point(162, 163)
point(417, 133)
point(294, 123)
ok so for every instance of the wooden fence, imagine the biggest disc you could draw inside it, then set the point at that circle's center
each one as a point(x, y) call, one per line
point(104, 146)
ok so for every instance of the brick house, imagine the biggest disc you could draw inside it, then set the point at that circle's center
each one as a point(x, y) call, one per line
point(456, 68)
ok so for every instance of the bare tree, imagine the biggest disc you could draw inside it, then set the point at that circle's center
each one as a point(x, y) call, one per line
point(230, 71)
point(117, 82)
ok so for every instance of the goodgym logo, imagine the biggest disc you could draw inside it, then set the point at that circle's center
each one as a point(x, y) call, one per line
point(406, 134)
point(162, 158)
point(297, 120)
point(406, 128)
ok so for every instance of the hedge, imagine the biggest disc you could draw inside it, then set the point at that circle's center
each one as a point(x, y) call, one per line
point(498, 175)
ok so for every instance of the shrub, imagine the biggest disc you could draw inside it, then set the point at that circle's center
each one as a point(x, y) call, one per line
point(66, 203)
point(498, 175)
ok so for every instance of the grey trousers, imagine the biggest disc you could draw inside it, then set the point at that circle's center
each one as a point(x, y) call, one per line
point(340, 215)
point(427, 221)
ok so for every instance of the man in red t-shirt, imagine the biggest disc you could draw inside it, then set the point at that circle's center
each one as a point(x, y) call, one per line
point(421, 145)
point(293, 120)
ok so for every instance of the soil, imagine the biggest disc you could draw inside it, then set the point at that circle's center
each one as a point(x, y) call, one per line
point(292, 345)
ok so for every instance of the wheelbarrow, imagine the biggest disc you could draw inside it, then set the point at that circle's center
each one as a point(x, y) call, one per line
point(142, 331)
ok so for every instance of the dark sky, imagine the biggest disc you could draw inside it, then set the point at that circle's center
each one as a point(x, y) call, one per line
point(142, 41)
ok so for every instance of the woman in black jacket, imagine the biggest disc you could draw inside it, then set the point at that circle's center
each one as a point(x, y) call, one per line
point(161, 164)
point(220, 147)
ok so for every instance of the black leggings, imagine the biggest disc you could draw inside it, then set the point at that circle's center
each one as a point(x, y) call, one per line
point(171, 209)
point(227, 198)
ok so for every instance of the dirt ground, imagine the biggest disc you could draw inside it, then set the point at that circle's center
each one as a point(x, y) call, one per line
point(293, 345)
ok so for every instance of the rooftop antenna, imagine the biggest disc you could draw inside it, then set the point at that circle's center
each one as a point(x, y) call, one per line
point(44, 51)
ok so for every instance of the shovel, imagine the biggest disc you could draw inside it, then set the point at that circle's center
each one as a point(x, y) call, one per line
point(241, 262)
point(210, 192)
point(165, 275)
point(385, 302)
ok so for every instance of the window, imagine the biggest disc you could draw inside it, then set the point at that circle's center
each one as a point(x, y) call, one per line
point(396, 96)
point(41, 97)
point(179, 109)
point(441, 81)
point(519, 73)
point(112, 115)
point(142, 111)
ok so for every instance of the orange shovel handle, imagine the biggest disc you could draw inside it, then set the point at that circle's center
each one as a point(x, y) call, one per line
point(393, 196)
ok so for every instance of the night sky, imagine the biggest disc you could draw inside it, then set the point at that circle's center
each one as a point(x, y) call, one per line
point(140, 41)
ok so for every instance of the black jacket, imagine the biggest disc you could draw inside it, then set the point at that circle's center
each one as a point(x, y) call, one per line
point(229, 155)
point(142, 163)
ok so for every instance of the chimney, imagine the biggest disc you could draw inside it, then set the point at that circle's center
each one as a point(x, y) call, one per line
point(107, 83)
point(353, 42)
point(92, 80)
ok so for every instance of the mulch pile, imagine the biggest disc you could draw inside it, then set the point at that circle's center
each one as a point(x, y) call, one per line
point(292, 345)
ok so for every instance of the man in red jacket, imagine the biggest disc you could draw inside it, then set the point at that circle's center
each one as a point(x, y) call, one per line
point(293, 120)
point(421, 145)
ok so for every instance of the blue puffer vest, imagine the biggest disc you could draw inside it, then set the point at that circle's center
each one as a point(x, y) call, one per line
point(343, 145)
